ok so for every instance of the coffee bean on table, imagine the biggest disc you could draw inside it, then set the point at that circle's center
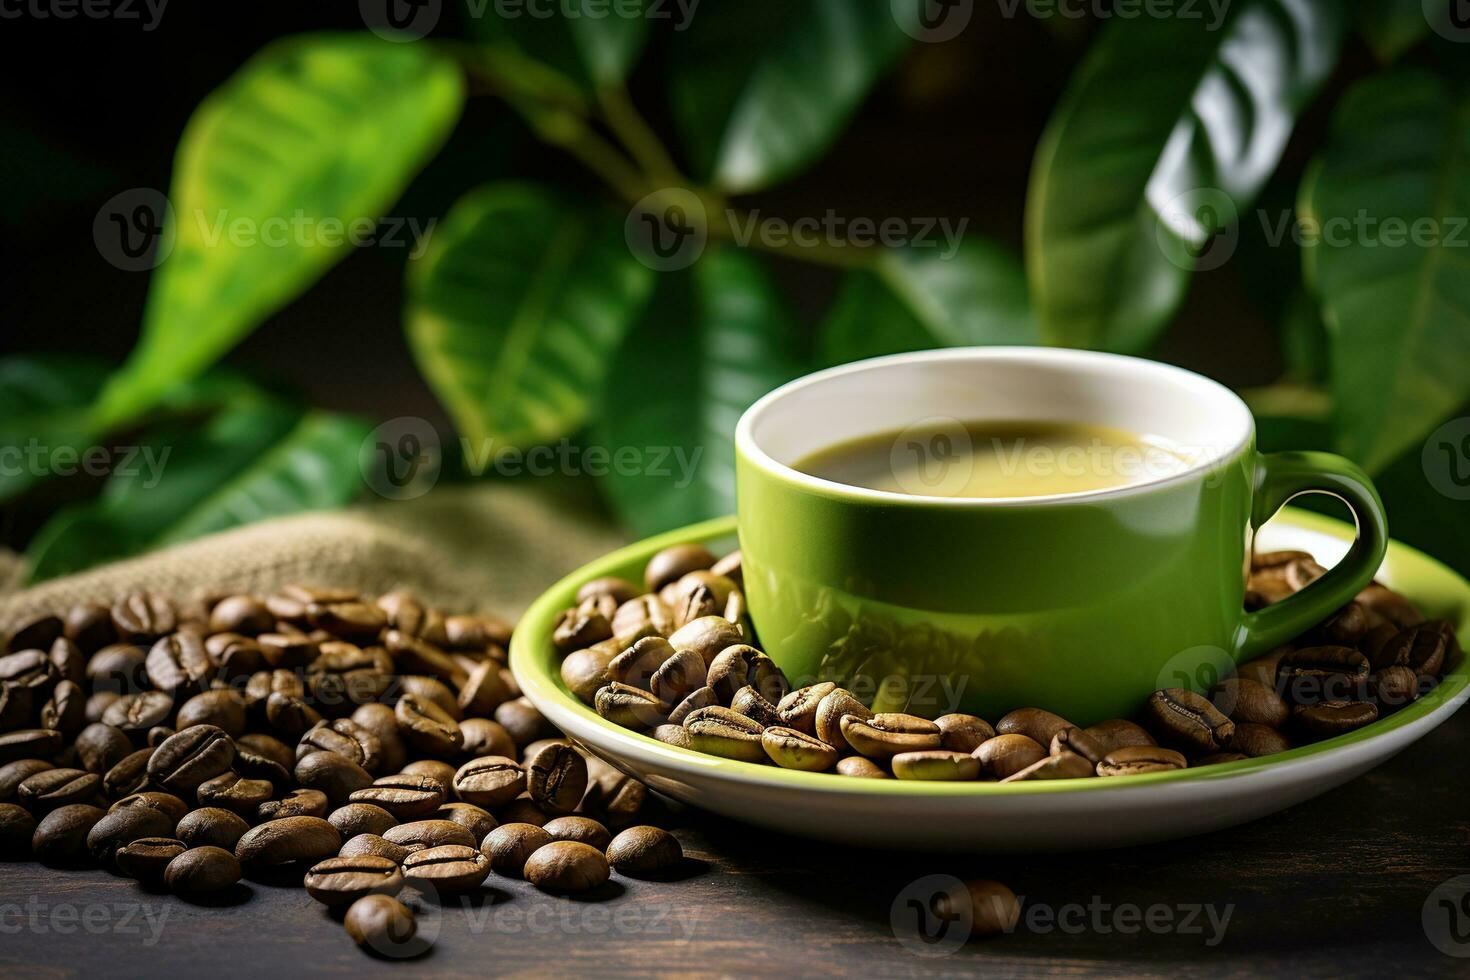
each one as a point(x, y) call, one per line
point(376, 846)
point(224, 709)
point(642, 852)
point(335, 775)
point(381, 924)
point(143, 617)
point(134, 714)
point(17, 826)
point(885, 735)
point(438, 770)
point(485, 737)
point(419, 834)
point(361, 818)
point(66, 709)
point(405, 796)
point(935, 764)
point(290, 715)
point(179, 663)
point(566, 867)
point(582, 829)
point(1189, 719)
point(147, 858)
point(491, 781)
point(202, 871)
point(993, 908)
point(1328, 718)
point(556, 778)
point(1137, 759)
point(241, 614)
point(427, 727)
point(123, 826)
point(61, 835)
point(337, 881)
point(448, 868)
point(1006, 755)
point(297, 803)
point(793, 749)
point(288, 840)
point(510, 845)
point(211, 827)
point(12, 774)
point(187, 759)
point(45, 791)
point(29, 743)
point(231, 791)
point(479, 822)
point(1255, 740)
point(862, 767)
point(165, 803)
point(37, 634)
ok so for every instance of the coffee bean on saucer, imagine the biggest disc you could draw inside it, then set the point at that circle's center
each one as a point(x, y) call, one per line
point(673, 563)
point(641, 852)
point(793, 749)
point(750, 703)
point(1136, 759)
point(1217, 759)
point(585, 671)
point(1394, 687)
point(1118, 733)
point(831, 710)
point(935, 764)
point(1247, 700)
point(1256, 740)
point(676, 735)
point(1187, 718)
point(1077, 740)
point(798, 709)
point(211, 827)
point(1063, 765)
point(449, 868)
point(1035, 723)
point(706, 636)
point(678, 676)
point(885, 735)
point(963, 733)
point(566, 867)
point(337, 881)
point(1323, 673)
point(1328, 718)
point(722, 732)
point(510, 845)
point(861, 767)
point(202, 871)
point(631, 707)
point(1006, 755)
point(620, 590)
point(702, 697)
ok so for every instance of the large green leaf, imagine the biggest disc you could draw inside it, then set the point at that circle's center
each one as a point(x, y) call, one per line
point(43, 409)
point(760, 88)
point(589, 42)
point(918, 298)
point(314, 137)
point(247, 464)
point(1390, 27)
point(715, 340)
point(1389, 256)
point(1169, 125)
point(515, 310)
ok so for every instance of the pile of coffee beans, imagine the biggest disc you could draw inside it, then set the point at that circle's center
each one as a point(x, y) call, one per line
point(353, 745)
point(675, 656)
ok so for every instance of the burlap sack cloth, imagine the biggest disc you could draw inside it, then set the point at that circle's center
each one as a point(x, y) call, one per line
point(491, 547)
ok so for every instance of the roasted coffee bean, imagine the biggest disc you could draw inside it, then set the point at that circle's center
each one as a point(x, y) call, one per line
point(1078, 741)
point(290, 715)
point(431, 690)
point(117, 668)
point(1217, 759)
point(830, 712)
point(337, 881)
point(630, 707)
point(749, 702)
point(415, 656)
point(1006, 755)
point(673, 563)
point(1119, 733)
point(1343, 628)
point(17, 827)
point(288, 840)
point(124, 825)
point(143, 618)
point(17, 706)
point(31, 669)
point(989, 906)
point(361, 818)
point(29, 743)
point(620, 590)
point(51, 788)
point(1136, 759)
point(374, 845)
point(1186, 718)
point(1382, 601)
point(566, 867)
point(202, 871)
point(61, 835)
point(861, 767)
point(885, 735)
point(419, 834)
point(580, 627)
point(224, 709)
point(798, 709)
point(1244, 699)
point(702, 697)
point(379, 719)
point(211, 827)
point(483, 690)
point(436, 769)
point(349, 620)
point(187, 759)
point(449, 868)
point(1063, 765)
point(636, 665)
point(89, 626)
point(427, 727)
point(147, 858)
point(254, 764)
point(730, 671)
point(582, 829)
point(1038, 725)
point(556, 778)
point(98, 704)
point(297, 803)
point(134, 714)
point(707, 636)
point(179, 664)
point(12, 774)
point(231, 791)
point(128, 776)
point(38, 634)
point(1255, 740)
point(66, 709)
point(235, 656)
point(963, 733)
point(70, 663)
point(1394, 687)
point(646, 615)
point(478, 821)
point(165, 803)
point(1323, 673)
point(407, 797)
point(287, 651)
point(491, 781)
point(645, 852)
point(936, 764)
point(344, 675)
point(522, 809)
point(485, 737)
point(1377, 645)
point(262, 684)
point(722, 732)
point(241, 614)
point(673, 735)
point(677, 676)
point(583, 671)
point(767, 678)
point(335, 775)
point(159, 734)
point(1328, 718)
point(381, 924)
point(1421, 648)
point(476, 632)
point(510, 845)
point(793, 749)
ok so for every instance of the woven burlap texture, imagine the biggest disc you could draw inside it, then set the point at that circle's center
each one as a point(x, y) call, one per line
point(490, 547)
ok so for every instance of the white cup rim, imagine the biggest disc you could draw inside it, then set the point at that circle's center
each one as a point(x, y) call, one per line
point(1241, 423)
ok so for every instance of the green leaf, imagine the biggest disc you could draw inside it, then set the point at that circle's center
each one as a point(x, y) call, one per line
point(1389, 255)
point(916, 299)
point(1169, 125)
point(515, 310)
point(245, 465)
point(43, 408)
point(715, 340)
point(610, 45)
point(1390, 27)
point(314, 137)
point(760, 88)
point(589, 42)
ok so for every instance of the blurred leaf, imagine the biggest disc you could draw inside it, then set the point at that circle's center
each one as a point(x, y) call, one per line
point(715, 339)
point(245, 465)
point(1390, 27)
point(1168, 126)
point(1304, 339)
point(516, 308)
point(43, 408)
point(917, 299)
point(1396, 302)
point(760, 88)
point(313, 137)
point(590, 42)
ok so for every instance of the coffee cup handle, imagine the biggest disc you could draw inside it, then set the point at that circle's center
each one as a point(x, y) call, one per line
point(1280, 477)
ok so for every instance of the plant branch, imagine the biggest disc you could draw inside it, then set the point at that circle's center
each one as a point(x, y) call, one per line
point(832, 254)
point(633, 131)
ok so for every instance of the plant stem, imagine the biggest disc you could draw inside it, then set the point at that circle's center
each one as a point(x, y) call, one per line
point(629, 126)
point(838, 256)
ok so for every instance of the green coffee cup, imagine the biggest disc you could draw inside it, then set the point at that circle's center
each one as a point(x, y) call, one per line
point(1081, 603)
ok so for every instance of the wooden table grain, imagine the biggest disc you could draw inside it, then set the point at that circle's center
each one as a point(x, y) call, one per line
point(1333, 887)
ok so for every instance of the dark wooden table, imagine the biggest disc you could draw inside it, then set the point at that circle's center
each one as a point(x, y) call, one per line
point(1334, 887)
